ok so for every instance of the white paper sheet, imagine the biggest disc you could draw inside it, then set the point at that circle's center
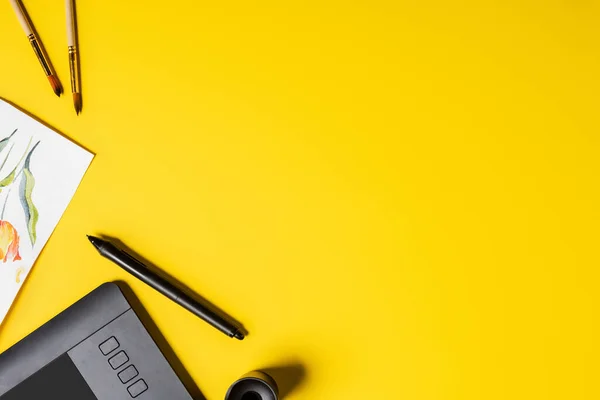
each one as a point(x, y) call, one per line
point(40, 171)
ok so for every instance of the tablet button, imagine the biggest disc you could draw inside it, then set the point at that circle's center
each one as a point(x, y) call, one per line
point(128, 374)
point(137, 388)
point(109, 346)
point(118, 359)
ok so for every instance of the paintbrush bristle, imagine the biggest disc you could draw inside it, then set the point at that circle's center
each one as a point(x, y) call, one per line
point(77, 102)
point(55, 83)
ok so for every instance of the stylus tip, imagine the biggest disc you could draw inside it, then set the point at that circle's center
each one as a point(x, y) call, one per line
point(95, 241)
point(239, 335)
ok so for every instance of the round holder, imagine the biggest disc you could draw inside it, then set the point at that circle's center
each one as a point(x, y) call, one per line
point(255, 385)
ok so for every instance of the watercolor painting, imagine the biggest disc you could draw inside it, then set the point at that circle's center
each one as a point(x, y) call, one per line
point(40, 171)
point(20, 175)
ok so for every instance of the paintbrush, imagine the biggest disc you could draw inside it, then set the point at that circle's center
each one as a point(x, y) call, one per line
point(73, 55)
point(38, 49)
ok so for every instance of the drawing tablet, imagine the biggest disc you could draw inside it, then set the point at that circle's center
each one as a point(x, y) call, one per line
point(97, 349)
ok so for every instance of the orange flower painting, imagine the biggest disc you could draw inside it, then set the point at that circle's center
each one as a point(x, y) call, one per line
point(9, 242)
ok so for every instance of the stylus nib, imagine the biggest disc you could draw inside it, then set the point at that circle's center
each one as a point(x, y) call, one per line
point(95, 241)
point(239, 335)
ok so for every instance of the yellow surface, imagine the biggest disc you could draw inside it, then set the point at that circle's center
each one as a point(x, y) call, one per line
point(402, 197)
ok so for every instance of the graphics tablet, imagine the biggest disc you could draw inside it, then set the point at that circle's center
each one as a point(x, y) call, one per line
point(97, 349)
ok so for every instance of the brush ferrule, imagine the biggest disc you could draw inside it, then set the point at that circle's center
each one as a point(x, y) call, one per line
point(74, 68)
point(40, 54)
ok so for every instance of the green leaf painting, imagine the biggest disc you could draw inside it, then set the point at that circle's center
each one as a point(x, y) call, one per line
point(17, 178)
point(6, 180)
point(26, 189)
point(4, 141)
point(11, 176)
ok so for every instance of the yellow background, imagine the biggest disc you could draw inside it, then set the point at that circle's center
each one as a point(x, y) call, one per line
point(402, 197)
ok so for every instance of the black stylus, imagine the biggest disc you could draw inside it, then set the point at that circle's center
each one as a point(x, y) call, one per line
point(140, 271)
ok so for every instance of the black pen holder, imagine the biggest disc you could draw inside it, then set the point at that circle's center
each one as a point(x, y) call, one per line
point(255, 385)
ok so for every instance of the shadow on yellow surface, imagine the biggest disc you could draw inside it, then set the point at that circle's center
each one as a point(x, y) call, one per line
point(288, 377)
point(182, 286)
point(160, 340)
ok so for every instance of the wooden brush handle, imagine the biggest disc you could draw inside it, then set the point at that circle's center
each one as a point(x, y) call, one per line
point(20, 11)
point(70, 8)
